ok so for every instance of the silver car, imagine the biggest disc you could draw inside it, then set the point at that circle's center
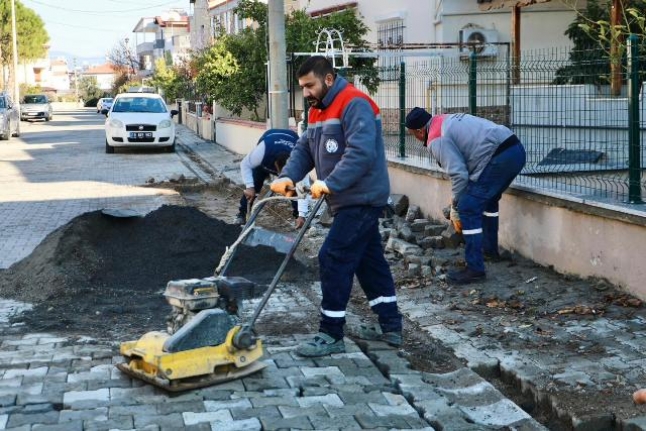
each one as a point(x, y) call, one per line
point(9, 118)
point(35, 106)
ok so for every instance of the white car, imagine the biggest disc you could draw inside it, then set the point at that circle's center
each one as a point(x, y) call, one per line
point(139, 120)
point(104, 103)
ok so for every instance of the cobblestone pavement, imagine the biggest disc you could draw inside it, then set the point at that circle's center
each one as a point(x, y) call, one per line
point(53, 382)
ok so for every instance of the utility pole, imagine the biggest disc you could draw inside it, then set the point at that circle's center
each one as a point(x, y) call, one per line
point(14, 36)
point(127, 60)
point(76, 82)
point(277, 64)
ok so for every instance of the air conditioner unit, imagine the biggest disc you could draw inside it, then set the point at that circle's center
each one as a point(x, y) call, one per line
point(478, 40)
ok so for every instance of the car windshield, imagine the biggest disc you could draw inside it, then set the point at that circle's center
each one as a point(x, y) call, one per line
point(107, 100)
point(35, 99)
point(139, 104)
point(2, 103)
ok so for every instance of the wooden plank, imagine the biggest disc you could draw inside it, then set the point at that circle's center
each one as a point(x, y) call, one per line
point(498, 4)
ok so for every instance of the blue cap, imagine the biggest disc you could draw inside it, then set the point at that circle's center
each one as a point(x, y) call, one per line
point(417, 118)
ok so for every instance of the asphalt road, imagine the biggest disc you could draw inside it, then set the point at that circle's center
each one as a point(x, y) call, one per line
point(57, 170)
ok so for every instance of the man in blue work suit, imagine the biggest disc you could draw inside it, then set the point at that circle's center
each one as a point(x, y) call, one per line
point(344, 144)
point(268, 158)
point(482, 159)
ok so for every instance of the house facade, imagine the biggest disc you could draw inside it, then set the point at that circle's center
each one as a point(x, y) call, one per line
point(163, 36)
point(104, 74)
point(414, 22)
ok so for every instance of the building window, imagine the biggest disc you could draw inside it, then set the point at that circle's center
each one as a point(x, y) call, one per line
point(390, 37)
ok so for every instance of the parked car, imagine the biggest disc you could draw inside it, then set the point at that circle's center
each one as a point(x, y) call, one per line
point(104, 103)
point(35, 106)
point(9, 118)
point(139, 120)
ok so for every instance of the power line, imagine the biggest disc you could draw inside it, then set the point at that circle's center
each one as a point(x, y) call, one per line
point(111, 30)
point(94, 12)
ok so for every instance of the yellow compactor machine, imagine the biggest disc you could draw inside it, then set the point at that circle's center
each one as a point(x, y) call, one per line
point(206, 341)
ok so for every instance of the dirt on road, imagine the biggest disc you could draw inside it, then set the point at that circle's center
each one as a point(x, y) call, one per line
point(103, 277)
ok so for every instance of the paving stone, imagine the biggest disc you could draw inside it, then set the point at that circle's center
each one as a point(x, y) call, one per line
point(294, 412)
point(18, 419)
point(68, 426)
point(390, 410)
point(113, 423)
point(295, 423)
point(171, 420)
point(251, 424)
point(260, 412)
point(501, 413)
point(179, 407)
point(130, 410)
point(274, 401)
point(191, 418)
point(100, 414)
point(372, 421)
point(49, 397)
point(335, 423)
point(330, 399)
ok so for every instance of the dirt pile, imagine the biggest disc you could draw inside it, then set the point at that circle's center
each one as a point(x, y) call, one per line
point(104, 276)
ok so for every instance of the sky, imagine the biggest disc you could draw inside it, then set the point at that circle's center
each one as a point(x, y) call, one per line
point(91, 28)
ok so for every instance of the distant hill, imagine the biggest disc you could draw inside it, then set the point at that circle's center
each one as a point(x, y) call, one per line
point(80, 61)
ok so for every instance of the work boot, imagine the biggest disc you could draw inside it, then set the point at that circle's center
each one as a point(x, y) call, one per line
point(492, 257)
point(373, 333)
point(240, 219)
point(322, 344)
point(465, 276)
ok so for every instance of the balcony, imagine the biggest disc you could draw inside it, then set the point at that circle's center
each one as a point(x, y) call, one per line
point(145, 48)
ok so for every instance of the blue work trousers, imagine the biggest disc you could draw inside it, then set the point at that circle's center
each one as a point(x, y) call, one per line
point(353, 247)
point(478, 205)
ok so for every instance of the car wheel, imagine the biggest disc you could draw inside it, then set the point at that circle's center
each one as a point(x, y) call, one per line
point(108, 148)
point(171, 149)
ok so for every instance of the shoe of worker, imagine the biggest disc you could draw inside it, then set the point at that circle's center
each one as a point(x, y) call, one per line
point(322, 344)
point(465, 276)
point(373, 333)
point(240, 220)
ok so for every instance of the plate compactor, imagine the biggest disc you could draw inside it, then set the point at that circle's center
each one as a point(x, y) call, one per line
point(207, 342)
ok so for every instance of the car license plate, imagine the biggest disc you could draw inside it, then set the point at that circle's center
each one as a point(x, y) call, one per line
point(141, 135)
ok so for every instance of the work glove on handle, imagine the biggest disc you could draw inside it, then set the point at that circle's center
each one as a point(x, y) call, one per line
point(318, 189)
point(283, 186)
point(455, 219)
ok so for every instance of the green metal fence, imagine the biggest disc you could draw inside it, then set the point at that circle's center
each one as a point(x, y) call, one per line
point(582, 136)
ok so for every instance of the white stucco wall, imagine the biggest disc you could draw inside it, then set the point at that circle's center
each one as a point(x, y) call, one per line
point(560, 233)
point(436, 21)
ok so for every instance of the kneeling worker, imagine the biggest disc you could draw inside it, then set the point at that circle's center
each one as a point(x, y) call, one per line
point(268, 158)
point(482, 159)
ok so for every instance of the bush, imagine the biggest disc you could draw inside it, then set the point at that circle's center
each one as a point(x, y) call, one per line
point(92, 102)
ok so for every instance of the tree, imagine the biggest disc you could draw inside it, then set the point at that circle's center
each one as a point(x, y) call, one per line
point(593, 37)
point(89, 90)
point(172, 80)
point(124, 62)
point(31, 35)
point(30, 31)
point(233, 71)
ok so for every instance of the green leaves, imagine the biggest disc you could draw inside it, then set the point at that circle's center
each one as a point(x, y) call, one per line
point(233, 72)
point(31, 34)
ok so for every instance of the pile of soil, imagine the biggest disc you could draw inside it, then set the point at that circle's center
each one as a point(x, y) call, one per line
point(104, 276)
